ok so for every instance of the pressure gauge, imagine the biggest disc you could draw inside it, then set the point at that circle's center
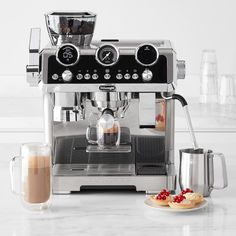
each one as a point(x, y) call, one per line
point(107, 55)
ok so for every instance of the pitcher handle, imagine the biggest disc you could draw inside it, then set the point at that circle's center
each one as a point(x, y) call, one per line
point(13, 178)
point(224, 171)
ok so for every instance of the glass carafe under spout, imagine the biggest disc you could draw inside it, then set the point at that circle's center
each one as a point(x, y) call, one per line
point(105, 135)
point(107, 131)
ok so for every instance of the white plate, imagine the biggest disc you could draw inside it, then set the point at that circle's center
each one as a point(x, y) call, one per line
point(152, 204)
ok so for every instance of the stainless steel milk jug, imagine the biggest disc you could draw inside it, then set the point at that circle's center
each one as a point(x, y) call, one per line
point(196, 170)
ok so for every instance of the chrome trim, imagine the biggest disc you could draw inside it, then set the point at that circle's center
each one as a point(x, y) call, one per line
point(75, 13)
point(68, 44)
point(95, 87)
point(136, 52)
point(104, 45)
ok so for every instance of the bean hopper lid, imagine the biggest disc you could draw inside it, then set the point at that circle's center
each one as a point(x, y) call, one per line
point(70, 27)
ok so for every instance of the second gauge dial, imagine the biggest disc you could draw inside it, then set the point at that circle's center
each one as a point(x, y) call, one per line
point(107, 55)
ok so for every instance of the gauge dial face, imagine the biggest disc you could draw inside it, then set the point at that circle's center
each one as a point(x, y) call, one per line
point(67, 55)
point(146, 55)
point(107, 55)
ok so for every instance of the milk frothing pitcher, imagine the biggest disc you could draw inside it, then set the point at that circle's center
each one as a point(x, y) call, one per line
point(196, 170)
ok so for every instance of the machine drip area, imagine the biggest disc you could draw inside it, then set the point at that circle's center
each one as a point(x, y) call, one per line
point(112, 107)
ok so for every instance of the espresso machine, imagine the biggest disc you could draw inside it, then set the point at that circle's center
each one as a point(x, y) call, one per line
point(81, 79)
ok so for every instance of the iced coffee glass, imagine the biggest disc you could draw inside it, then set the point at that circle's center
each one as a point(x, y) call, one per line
point(31, 175)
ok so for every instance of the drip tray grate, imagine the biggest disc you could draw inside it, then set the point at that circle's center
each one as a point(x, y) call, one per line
point(119, 149)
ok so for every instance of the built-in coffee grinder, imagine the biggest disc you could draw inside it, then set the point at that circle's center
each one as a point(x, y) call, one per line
point(104, 112)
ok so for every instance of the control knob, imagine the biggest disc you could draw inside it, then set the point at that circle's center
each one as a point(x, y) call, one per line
point(180, 69)
point(147, 75)
point(67, 75)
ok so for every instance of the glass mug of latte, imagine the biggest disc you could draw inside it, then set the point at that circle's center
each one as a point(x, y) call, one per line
point(106, 131)
point(34, 183)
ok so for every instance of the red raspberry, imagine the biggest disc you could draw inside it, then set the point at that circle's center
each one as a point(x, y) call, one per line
point(187, 190)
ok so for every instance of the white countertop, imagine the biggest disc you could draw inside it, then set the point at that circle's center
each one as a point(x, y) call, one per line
point(116, 213)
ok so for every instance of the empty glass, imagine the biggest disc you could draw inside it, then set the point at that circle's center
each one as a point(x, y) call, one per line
point(208, 80)
point(33, 181)
point(227, 89)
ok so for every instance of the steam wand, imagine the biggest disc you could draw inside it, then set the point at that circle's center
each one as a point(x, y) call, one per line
point(187, 115)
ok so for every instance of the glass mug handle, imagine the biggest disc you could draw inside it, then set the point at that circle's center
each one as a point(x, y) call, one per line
point(224, 171)
point(88, 136)
point(12, 167)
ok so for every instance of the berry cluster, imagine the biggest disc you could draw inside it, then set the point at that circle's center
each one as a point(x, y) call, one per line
point(179, 198)
point(163, 195)
point(160, 118)
point(187, 190)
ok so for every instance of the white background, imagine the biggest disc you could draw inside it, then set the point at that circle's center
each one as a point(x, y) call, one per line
point(193, 25)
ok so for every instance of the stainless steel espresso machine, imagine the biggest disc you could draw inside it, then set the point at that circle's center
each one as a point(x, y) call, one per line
point(82, 79)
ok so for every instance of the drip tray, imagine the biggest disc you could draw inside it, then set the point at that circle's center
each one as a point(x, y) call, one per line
point(93, 169)
point(119, 149)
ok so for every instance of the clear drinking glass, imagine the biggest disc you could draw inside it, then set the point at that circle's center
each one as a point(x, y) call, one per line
point(227, 89)
point(34, 183)
point(208, 83)
point(107, 132)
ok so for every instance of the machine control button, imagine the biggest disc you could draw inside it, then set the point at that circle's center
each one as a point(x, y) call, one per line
point(107, 76)
point(180, 69)
point(55, 76)
point(127, 76)
point(135, 76)
point(95, 76)
point(147, 75)
point(67, 75)
point(87, 76)
point(79, 76)
point(119, 76)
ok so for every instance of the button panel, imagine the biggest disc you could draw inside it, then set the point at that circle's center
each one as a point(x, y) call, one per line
point(126, 70)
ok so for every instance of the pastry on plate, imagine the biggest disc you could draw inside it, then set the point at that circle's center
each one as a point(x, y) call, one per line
point(180, 202)
point(194, 197)
point(162, 198)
